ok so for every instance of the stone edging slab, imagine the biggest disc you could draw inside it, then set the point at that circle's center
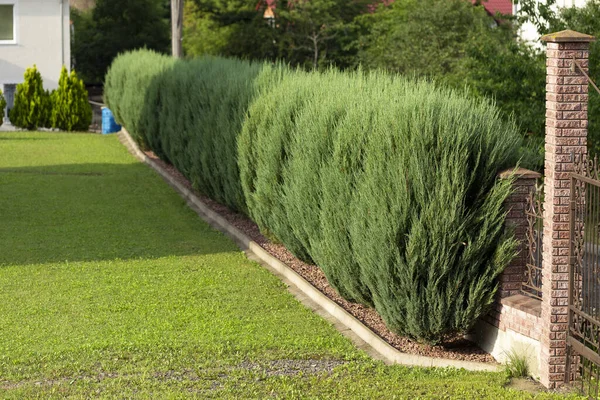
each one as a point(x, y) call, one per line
point(377, 343)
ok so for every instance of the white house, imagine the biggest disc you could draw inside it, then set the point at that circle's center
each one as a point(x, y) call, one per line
point(33, 32)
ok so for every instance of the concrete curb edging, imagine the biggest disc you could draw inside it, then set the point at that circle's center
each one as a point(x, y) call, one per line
point(377, 343)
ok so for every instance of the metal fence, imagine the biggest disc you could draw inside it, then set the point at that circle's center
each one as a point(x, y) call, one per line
point(583, 337)
point(531, 284)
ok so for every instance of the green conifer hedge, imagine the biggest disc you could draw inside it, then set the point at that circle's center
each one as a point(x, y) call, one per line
point(126, 85)
point(389, 185)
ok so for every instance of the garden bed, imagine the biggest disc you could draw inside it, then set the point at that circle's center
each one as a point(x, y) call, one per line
point(457, 348)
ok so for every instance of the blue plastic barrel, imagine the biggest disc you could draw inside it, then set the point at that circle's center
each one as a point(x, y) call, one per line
point(109, 125)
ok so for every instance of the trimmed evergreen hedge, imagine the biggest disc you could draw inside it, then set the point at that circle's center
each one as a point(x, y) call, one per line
point(189, 113)
point(389, 185)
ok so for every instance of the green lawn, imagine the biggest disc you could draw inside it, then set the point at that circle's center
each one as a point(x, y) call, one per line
point(110, 287)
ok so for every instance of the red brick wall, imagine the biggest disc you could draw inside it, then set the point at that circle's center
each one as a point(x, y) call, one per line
point(512, 310)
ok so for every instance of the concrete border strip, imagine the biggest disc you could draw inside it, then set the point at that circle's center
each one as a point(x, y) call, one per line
point(379, 345)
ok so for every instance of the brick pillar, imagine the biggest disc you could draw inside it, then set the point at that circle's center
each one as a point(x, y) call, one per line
point(516, 204)
point(566, 133)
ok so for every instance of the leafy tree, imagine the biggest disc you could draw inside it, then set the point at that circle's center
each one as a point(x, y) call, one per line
point(313, 33)
point(115, 26)
point(513, 74)
point(71, 110)
point(541, 13)
point(586, 20)
point(460, 45)
point(549, 18)
point(423, 37)
point(32, 107)
point(228, 28)
point(318, 32)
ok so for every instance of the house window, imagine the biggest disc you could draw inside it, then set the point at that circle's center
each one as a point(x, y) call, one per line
point(8, 16)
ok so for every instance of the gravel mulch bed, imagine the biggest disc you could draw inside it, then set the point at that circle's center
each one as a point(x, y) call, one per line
point(456, 349)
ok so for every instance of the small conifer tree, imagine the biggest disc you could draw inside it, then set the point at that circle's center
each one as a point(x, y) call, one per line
point(32, 106)
point(2, 107)
point(71, 110)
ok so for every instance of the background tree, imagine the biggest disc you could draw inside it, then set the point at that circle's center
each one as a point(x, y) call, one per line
point(586, 20)
point(541, 13)
point(313, 33)
point(318, 32)
point(462, 46)
point(115, 26)
point(229, 28)
point(549, 18)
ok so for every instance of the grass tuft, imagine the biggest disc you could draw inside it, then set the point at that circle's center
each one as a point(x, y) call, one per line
point(517, 365)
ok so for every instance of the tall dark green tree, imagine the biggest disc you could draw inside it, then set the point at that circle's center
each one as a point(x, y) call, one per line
point(113, 27)
point(228, 28)
point(318, 33)
point(311, 34)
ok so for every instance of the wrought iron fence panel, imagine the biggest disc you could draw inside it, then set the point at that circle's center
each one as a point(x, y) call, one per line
point(531, 284)
point(583, 337)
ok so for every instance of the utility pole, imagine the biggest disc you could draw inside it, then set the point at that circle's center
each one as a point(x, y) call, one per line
point(176, 27)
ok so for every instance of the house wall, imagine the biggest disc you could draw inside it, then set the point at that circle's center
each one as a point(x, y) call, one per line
point(39, 41)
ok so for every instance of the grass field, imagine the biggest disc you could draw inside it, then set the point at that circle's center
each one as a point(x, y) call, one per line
point(110, 287)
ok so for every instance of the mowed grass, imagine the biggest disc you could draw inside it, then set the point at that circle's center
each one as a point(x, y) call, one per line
point(111, 287)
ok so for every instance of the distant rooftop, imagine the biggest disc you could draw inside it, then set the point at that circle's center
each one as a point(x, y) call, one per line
point(497, 6)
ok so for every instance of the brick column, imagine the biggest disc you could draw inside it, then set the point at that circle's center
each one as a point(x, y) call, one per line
point(566, 133)
point(516, 204)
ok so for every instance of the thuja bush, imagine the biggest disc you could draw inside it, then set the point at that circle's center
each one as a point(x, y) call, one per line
point(71, 110)
point(32, 106)
point(2, 107)
point(390, 187)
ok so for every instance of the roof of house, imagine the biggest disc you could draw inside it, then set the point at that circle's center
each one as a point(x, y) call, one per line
point(497, 6)
point(492, 6)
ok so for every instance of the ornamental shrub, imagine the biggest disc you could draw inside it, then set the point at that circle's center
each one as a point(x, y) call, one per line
point(126, 85)
point(2, 107)
point(189, 113)
point(387, 184)
point(32, 107)
point(390, 186)
point(71, 110)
